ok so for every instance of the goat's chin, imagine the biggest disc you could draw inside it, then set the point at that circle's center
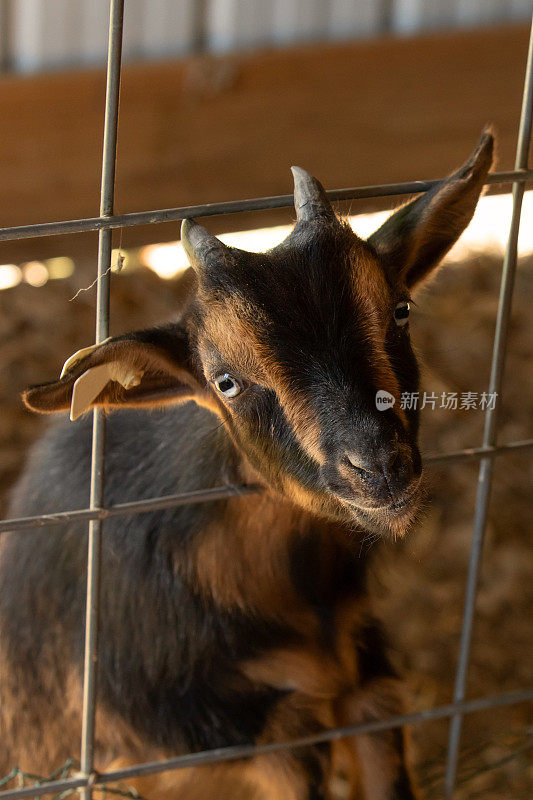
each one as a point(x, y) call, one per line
point(386, 521)
point(390, 523)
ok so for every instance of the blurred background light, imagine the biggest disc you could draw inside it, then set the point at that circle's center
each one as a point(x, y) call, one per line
point(166, 260)
point(58, 268)
point(35, 273)
point(10, 275)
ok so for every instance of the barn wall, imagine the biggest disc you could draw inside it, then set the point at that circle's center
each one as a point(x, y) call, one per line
point(50, 34)
point(209, 129)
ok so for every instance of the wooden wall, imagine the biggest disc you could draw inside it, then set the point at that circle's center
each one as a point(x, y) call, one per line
point(212, 129)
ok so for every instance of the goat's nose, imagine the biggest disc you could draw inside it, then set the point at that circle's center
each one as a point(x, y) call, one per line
point(386, 474)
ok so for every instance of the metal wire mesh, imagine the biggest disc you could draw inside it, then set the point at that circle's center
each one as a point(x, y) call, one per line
point(97, 513)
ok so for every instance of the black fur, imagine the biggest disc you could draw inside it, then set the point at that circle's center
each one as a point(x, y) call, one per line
point(161, 643)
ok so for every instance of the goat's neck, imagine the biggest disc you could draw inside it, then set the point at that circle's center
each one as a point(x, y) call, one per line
point(263, 553)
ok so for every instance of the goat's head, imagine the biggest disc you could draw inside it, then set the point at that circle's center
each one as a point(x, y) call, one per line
point(291, 347)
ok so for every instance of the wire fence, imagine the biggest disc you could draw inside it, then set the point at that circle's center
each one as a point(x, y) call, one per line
point(87, 779)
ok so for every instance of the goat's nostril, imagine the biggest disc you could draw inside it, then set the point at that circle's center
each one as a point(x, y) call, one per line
point(392, 463)
point(360, 467)
point(399, 463)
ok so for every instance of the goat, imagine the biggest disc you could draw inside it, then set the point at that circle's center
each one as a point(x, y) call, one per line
point(246, 620)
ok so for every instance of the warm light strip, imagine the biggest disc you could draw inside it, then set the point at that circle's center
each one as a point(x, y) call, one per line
point(487, 232)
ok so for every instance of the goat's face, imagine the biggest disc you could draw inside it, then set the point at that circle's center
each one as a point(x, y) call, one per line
point(293, 347)
point(298, 344)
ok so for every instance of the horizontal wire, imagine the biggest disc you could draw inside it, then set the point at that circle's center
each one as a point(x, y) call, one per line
point(233, 753)
point(216, 493)
point(220, 493)
point(232, 207)
point(134, 507)
point(478, 452)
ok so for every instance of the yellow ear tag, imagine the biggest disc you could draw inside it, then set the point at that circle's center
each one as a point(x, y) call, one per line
point(87, 388)
point(89, 385)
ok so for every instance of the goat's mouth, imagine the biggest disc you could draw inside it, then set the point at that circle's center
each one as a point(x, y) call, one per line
point(395, 517)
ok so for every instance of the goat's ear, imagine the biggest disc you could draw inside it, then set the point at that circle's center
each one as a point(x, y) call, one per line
point(415, 238)
point(150, 368)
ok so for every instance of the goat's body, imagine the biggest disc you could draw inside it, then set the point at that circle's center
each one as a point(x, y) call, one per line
point(225, 623)
point(247, 620)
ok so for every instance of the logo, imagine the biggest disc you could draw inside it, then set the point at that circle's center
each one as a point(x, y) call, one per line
point(384, 400)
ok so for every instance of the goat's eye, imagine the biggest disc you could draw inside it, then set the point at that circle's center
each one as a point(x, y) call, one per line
point(401, 313)
point(227, 385)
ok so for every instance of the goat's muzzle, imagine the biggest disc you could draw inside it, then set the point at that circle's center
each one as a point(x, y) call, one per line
point(384, 485)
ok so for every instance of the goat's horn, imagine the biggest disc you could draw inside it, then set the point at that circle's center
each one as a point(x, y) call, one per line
point(310, 199)
point(200, 245)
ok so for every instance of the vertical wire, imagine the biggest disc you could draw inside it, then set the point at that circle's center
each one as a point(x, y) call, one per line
point(385, 17)
point(491, 421)
point(116, 17)
point(199, 34)
point(5, 35)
